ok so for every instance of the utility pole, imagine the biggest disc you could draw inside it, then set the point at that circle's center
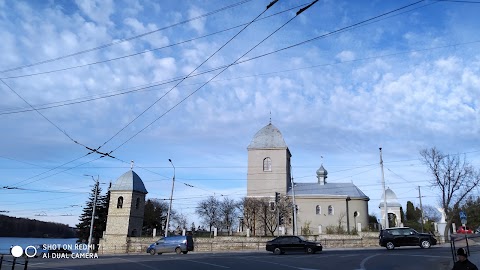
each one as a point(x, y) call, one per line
point(385, 208)
point(171, 197)
point(93, 213)
point(294, 208)
point(421, 209)
point(348, 215)
point(277, 201)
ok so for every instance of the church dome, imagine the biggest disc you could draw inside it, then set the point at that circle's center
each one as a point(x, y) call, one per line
point(129, 181)
point(392, 200)
point(268, 137)
point(321, 171)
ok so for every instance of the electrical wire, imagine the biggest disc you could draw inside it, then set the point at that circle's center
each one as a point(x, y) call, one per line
point(195, 91)
point(126, 39)
point(178, 83)
point(144, 51)
point(87, 99)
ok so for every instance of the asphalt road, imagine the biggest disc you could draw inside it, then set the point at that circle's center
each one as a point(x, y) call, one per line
point(354, 259)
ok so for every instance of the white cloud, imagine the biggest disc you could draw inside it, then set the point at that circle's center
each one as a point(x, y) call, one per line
point(197, 25)
point(98, 11)
point(346, 56)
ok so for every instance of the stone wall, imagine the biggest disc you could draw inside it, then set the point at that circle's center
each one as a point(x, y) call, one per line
point(238, 243)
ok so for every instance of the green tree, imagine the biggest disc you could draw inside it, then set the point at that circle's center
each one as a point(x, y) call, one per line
point(413, 216)
point(102, 207)
point(83, 227)
point(155, 216)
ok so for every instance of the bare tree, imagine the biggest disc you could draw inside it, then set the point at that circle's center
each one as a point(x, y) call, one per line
point(271, 213)
point(179, 222)
point(228, 213)
point(250, 207)
point(455, 178)
point(431, 214)
point(209, 211)
point(268, 216)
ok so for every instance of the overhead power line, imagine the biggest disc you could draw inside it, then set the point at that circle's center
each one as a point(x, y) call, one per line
point(196, 90)
point(69, 102)
point(201, 64)
point(144, 51)
point(126, 39)
point(154, 84)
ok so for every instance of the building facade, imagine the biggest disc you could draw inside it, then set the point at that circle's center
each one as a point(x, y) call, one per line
point(320, 205)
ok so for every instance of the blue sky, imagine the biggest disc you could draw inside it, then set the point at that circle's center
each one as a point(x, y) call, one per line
point(335, 87)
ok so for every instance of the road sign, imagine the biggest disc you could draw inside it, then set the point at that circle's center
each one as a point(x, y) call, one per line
point(463, 215)
point(464, 221)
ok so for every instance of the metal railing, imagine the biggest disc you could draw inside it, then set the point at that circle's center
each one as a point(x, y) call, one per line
point(5, 260)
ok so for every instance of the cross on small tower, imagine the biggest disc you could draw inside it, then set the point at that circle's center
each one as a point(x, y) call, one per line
point(131, 164)
point(270, 116)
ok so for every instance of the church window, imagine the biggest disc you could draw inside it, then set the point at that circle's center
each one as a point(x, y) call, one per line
point(267, 164)
point(318, 210)
point(137, 203)
point(330, 210)
point(120, 202)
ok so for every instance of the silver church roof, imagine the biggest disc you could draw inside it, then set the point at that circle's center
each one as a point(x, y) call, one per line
point(329, 189)
point(268, 137)
point(129, 181)
point(392, 200)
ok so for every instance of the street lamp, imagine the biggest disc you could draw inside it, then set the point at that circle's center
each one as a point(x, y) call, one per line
point(348, 218)
point(171, 197)
point(93, 212)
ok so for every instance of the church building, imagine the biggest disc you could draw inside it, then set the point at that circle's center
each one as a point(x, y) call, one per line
point(320, 204)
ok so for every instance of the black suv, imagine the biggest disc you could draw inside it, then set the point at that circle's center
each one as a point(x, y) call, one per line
point(404, 236)
point(282, 244)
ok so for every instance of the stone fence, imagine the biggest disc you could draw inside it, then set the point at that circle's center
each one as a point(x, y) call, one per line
point(239, 243)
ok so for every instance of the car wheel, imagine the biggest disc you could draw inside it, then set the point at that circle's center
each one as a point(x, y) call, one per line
point(390, 246)
point(309, 250)
point(178, 250)
point(425, 244)
point(277, 251)
point(152, 251)
point(184, 252)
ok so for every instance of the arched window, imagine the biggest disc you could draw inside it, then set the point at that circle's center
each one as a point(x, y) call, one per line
point(267, 164)
point(318, 210)
point(120, 202)
point(137, 203)
point(330, 210)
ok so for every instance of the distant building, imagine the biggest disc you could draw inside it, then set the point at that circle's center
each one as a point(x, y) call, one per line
point(393, 210)
point(320, 204)
point(125, 212)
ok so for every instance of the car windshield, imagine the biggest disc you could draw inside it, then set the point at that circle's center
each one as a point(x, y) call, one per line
point(302, 238)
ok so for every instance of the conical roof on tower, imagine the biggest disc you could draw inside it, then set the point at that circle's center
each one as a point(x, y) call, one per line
point(268, 137)
point(129, 181)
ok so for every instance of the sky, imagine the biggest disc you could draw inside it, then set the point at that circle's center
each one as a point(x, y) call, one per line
point(193, 81)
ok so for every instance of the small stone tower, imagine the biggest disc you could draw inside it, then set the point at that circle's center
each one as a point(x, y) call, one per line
point(125, 212)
